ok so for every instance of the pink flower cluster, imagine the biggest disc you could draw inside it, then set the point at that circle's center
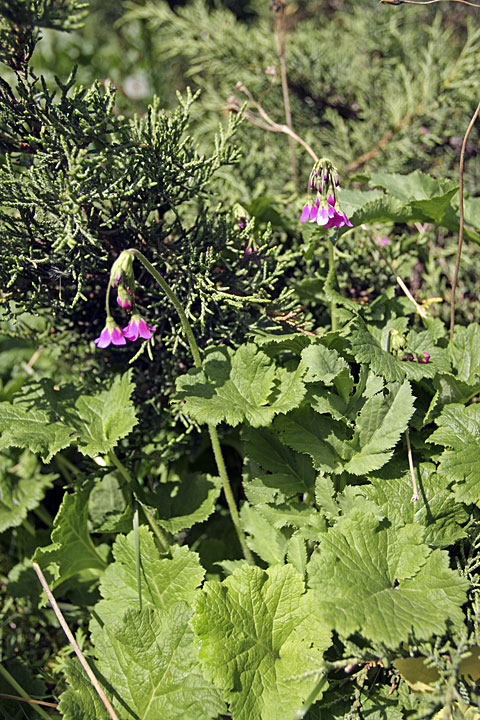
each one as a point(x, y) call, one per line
point(424, 358)
point(112, 333)
point(325, 214)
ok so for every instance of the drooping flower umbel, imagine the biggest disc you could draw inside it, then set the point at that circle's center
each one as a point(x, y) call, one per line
point(121, 276)
point(138, 327)
point(111, 333)
point(324, 210)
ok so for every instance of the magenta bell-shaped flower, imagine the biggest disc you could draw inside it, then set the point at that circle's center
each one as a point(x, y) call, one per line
point(124, 298)
point(111, 333)
point(324, 214)
point(137, 327)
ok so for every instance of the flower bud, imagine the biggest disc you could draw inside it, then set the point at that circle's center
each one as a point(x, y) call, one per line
point(124, 297)
point(122, 269)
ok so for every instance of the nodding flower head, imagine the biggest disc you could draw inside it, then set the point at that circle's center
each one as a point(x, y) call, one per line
point(324, 209)
point(137, 327)
point(111, 333)
point(122, 269)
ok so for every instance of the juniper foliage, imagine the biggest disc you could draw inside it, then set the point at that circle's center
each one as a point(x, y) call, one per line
point(80, 182)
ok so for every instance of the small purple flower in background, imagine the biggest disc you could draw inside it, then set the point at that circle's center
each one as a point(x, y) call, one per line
point(111, 333)
point(137, 327)
point(425, 358)
point(381, 240)
point(242, 222)
point(254, 255)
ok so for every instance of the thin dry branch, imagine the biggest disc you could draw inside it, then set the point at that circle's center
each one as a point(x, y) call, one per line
point(425, 2)
point(462, 220)
point(73, 642)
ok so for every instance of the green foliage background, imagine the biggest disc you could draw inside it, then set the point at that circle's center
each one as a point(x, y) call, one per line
point(110, 156)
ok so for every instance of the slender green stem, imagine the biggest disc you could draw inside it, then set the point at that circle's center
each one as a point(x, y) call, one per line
point(11, 681)
point(217, 450)
point(28, 527)
point(67, 469)
point(158, 532)
point(187, 328)
point(136, 538)
point(333, 305)
point(151, 520)
point(317, 688)
point(107, 301)
point(227, 489)
point(43, 515)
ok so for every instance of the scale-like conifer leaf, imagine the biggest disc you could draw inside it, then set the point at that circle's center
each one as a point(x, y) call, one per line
point(384, 582)
point(259, 631)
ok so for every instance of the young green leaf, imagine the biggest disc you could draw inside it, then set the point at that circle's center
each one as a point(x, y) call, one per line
point(149, 662)
point(458, 429)
point(435, 510)
point(464, 351)
point(164, 581)
point(72, 549)
point(291, 472)
point(182, 505)
point(260, 633)
point(245, 385)
point(384, 582)
point(66, 416)
point(80, 701)
point(380, 424)
point(22, 486)
point(262, 537)
point(319, 436)
point(322, 364)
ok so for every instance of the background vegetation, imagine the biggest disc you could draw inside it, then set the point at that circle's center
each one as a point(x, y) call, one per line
point(100, 152)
